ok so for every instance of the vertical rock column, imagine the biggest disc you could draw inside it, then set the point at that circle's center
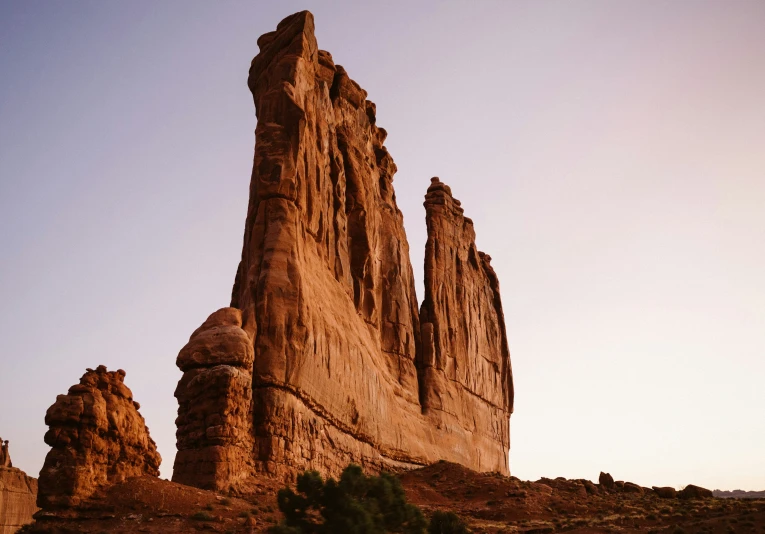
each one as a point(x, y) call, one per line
point(215, 445)
point(97, 438)
point(465, 371)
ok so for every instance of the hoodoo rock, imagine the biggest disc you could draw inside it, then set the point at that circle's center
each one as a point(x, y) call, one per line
point(215, 440)
point(97, 438)
point(325, 356)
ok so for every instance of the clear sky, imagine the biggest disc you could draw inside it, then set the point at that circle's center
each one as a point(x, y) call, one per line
point(611, 155)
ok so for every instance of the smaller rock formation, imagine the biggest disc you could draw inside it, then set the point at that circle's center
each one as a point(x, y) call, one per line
point(631, 487)
point(18, 493)
point(97, 437)
point(214, 395)
point(5, 455)
point(694, 492)
point(606, 481)
point(591, 488)
point(665, 492)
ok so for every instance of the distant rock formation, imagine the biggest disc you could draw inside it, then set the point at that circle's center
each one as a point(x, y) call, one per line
point(606, 480)
point(97, 438)
point(325, 356)
point(18, 493)
point(665, 492)
point(694, 492)
point(5, 455)
point(739, 494)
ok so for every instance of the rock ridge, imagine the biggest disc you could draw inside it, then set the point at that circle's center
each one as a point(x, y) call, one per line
point(329, 358)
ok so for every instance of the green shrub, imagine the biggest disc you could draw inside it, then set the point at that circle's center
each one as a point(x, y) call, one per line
point(447, 523)
point(202, 516)
point(356, 504)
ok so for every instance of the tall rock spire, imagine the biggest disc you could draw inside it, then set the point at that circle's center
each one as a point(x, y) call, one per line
point(325, 294)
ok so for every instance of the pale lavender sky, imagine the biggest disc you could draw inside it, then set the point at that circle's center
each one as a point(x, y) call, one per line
point(611, 154)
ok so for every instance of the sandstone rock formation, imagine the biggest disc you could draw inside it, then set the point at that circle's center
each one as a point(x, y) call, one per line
point(18, 493)
point(5, 455)
point(215, 440)
point(665, 492)
point(325, 356)
point(631, 487)
point(97, 437)
point(606, 481)
point(694, 492)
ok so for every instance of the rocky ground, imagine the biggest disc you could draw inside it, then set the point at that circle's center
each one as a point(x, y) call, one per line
point(489, 503)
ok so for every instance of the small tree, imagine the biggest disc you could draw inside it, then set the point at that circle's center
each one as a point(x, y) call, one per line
point(447, 523)
point(356, 504)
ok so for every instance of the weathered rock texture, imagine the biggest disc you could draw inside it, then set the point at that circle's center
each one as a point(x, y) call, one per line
point(324, 357)
point(18, 493)
point(97, 437)
point(215, 440)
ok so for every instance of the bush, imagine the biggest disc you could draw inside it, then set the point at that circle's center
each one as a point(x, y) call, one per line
point(356, 504)
point(202, 516)
point(447, 523)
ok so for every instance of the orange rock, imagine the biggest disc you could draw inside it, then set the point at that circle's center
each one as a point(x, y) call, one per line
point(18, 493)
point(215, 442)
point(97, 438)
point(343, 368)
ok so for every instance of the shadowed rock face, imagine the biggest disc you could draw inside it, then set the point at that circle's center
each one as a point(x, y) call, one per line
point(329, 360)
point(97, 438)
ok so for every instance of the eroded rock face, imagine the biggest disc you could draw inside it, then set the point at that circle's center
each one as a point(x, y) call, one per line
point(465, 371)
point(97, 438)
point(18, 494)
point(215, 441)
point(343, 368)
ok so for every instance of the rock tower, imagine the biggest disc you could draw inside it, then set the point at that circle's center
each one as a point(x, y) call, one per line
point(325, 356)
point(97, 438)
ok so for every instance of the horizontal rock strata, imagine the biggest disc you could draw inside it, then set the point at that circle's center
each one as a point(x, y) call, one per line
point(97, 438)
point(330, 359)
point(18, 494)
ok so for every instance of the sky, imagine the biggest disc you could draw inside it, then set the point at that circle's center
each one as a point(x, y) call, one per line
point(611, 155)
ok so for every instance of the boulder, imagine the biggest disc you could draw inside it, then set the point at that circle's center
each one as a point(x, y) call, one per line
point(97, 438)
point(591, 488)
point(694, 492)
point(665, 492)
point(606, 480)
point(630, 487)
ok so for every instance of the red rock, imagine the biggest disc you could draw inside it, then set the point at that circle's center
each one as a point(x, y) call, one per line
point(215, 442)
point(330, 332)
point(694, 492)
point(18, 493)
point(606, 480)
point(665, 492)
point(630, 487)
point(97, 438)
point(591, 488)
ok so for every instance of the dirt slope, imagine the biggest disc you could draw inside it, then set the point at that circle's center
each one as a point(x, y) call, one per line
point(489, 503)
